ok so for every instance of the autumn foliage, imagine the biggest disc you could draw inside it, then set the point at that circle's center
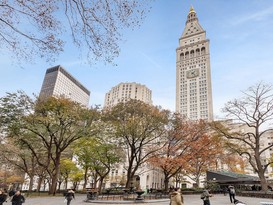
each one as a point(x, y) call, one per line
point(180, 144)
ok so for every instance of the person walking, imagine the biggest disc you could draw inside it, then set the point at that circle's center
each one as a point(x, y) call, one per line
point(205, 197)
point(231, 192)
point(3, 197)
point(11, 193)
point(182, 198)
point(69, 196)
point(225, 190)
point(176, 197)
point(17, 199)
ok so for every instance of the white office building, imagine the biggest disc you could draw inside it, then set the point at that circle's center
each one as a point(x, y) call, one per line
point(59, 83)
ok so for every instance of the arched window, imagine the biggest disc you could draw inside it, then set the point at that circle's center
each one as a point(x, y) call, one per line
point(203, 51)
point(192, 54)
point(187, 55)
point(197, 52)
point(182, 56)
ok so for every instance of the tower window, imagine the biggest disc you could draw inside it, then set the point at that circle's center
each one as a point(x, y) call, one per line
point(192, 53)
point(187, 55)
point(203, 50)
point(182, 56)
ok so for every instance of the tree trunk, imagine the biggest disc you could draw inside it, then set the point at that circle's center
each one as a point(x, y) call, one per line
point(166, 184)
point(263, 181)
point(53, 186)
point(85, 177)
point(65, 183)
point(32, 173)
point(55, 175)
point(128, 182)
point(45, 182)
point(31, 180)
point(95, 183)
point(100, 185)
point(130, 177)
point(59, 186)
point(75, 185)
point(198, 181)
point(40, 180)
point(259, 165)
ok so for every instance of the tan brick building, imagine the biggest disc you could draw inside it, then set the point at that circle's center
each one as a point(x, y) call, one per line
point(123, 92)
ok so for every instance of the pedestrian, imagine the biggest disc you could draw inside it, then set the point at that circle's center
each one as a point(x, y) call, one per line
point(18, 199)
point(69, 196)
point(11, 193)
point(205, 197)
point(182, 198)
point(3, 197)
point(176, 198)
point(231, 192)
point(171, 189)
point(225, 191)
point(151, 190)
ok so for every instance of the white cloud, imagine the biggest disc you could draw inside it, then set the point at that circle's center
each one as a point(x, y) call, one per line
point(258, 16)
point(152, 61)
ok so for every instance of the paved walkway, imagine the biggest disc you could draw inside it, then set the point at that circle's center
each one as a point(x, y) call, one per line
point(189, 200)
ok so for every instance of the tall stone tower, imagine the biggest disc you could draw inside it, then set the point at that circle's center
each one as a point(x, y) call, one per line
point(193, 76)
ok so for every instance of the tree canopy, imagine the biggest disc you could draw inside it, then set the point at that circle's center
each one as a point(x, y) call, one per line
point(46, 127)
point(176, 146)
point(97, 156)
point(137, 128)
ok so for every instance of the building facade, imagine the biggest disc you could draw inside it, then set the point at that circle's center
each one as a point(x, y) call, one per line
point(193, 74)
point(123, 92)
point(59, 83)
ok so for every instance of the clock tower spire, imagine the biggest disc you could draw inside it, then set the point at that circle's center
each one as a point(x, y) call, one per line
point(192, 24)
point(192, 15)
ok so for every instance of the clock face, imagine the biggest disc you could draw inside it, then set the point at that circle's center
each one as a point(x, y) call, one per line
point(192, 73)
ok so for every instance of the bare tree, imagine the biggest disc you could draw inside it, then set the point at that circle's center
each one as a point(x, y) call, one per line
point(34, 28)
point(254, 110)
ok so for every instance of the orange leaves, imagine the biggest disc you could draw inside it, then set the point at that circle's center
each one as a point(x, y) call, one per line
point(184, 141)
point(205, 151)
point(234, 162)
point(14, 179)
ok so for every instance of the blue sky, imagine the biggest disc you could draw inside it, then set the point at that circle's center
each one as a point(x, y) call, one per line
point(241, 51)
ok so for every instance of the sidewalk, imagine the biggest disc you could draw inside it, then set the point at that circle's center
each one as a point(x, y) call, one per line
point(188, 200)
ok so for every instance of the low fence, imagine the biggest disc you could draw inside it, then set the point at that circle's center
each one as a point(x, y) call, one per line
point(162, 195)
point(129, 197)
point(258, 194)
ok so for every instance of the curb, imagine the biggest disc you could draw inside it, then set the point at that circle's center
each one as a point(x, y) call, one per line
point(126, 202)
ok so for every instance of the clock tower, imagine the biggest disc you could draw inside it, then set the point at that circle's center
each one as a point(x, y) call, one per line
point(193, 75)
